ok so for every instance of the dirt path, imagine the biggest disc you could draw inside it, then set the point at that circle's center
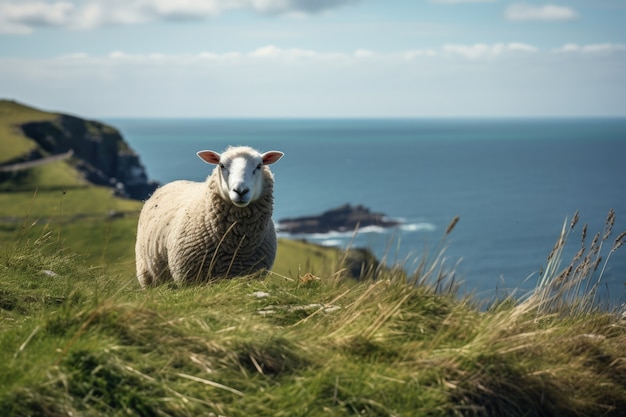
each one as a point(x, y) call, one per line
point(30, 164)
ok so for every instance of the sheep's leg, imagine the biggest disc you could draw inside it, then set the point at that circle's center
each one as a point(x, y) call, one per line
point(143, 273)
point(268, 248)
point(152, 273)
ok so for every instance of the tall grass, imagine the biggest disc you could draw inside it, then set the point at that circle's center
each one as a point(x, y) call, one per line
point(78, 340)
point(573, 288)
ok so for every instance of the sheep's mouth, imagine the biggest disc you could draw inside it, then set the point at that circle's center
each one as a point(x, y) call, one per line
point(240, 201)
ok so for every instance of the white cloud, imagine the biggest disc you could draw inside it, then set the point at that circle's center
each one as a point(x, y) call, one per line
point(272, 51)
point(522, 11)
point(363, 53)
point(266, 51)
point(22, 17)
point(25, 16)
point(291, 6)
point(450, 80)
point(593, 48)
point(570, 47)
point(188, 9)
point(522, 47)
point(481, 50)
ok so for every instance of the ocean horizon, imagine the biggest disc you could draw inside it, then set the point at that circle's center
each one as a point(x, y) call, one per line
point(512, 181)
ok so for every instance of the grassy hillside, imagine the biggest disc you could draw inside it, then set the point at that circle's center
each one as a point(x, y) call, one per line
point(12, 142)
point(79, 337)
point(54, 198)
point(100, 229)
point(86, 219)
point(79, 340)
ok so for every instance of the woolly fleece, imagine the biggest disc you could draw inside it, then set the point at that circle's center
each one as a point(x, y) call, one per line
point(188, 233)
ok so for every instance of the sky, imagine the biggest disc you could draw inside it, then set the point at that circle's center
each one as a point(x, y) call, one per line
point(315, 58)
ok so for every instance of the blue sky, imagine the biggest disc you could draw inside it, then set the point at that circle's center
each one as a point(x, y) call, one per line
point(315, 58)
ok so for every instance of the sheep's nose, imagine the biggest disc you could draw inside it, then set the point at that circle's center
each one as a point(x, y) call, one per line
point(241, 191)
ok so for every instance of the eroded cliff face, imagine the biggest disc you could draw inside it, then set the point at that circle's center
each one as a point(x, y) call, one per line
point(99, 153)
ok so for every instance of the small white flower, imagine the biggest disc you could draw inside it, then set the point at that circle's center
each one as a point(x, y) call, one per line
point(260, 294)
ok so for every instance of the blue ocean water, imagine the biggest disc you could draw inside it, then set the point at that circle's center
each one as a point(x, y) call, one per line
point(513, 182)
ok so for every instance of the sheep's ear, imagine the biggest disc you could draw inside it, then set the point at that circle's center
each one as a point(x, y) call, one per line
point(271, 157)
point(210, 157)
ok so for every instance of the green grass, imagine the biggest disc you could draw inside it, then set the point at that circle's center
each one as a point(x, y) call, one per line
point(12, 143)
point(297, 258)
point(51, 176)
point(64, 202)
point(78, 339)
point(101, 229)
point(87, 221)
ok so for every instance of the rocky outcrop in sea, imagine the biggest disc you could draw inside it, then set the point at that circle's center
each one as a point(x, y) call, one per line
point(340, 219)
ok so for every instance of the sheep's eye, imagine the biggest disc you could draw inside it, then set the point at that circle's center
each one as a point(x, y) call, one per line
point(222, 166)
point(258, 167)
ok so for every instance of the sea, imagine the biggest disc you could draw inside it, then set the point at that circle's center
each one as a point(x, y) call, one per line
point(513, 183)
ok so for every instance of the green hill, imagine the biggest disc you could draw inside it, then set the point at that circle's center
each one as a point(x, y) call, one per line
point(56, 197)
point(85, 217)
point(78, 337)
point(78, 340)
point(13, 143)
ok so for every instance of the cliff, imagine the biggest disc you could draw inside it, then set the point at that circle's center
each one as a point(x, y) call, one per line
point(96, 150)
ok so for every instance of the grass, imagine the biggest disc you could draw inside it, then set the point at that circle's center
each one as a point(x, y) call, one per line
point(53, 176)
point(64, 203)
point(88, 221)
point(576, 286)
point(12, 143)
point(79, 337)
point(81, 340)
point(100, 229)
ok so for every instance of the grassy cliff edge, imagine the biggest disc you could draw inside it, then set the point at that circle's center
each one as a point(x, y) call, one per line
point(80, 340)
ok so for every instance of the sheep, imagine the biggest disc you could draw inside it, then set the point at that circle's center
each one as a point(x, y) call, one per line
point(220, 228)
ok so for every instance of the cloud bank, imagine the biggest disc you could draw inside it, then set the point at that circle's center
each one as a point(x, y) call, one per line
point(25, 16)
point(498, 79)
point(482, 50)
point(548, 12)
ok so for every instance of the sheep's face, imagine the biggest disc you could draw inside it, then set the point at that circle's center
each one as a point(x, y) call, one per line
point(240, 172)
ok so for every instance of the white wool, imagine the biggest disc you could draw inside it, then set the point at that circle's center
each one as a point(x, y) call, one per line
point(198, 231)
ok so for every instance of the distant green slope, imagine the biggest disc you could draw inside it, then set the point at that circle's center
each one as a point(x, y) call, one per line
point(55, 198)
point(101, 229)
point(12, 142)
point(87, 219)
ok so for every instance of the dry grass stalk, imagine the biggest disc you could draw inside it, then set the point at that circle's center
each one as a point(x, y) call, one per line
point(608, 227)
point(452, 225)
point(619, 241)
point(574, 288)
point(574, 220)
point(434, 273)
